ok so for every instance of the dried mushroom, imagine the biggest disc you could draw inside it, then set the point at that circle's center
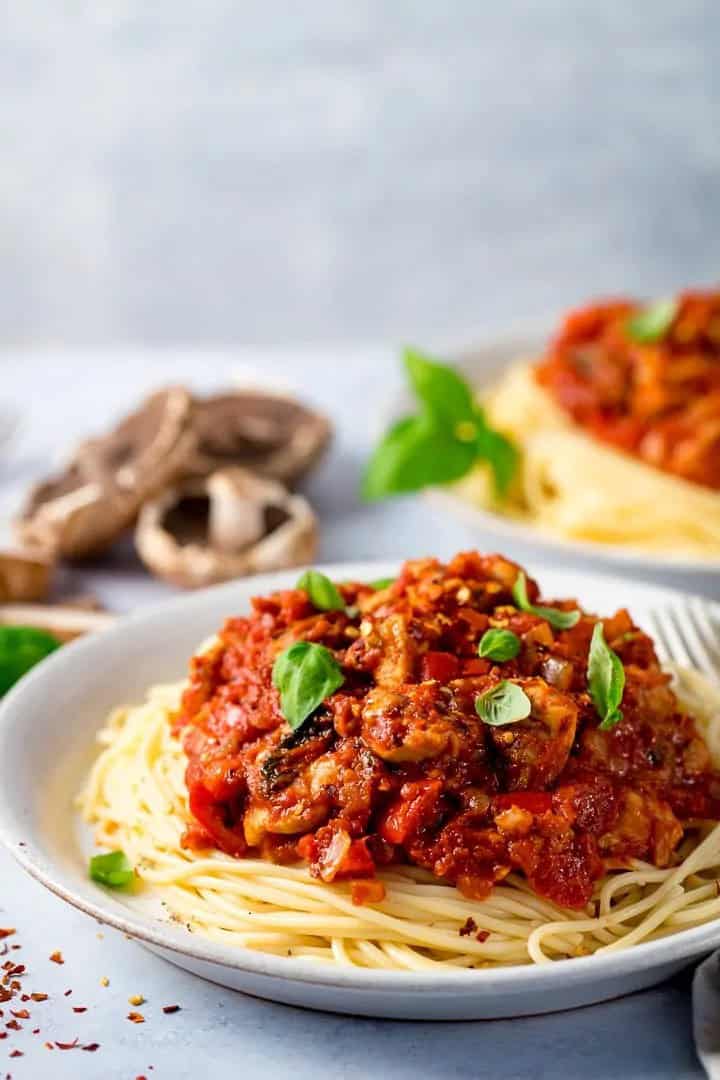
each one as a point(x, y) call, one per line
point(24, 575)
point(227, 525)
point(82, 511)
point(272, 435)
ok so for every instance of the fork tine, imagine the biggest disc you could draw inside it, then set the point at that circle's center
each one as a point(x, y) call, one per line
point(708, 631)
point(684, 629)
point(702, 657)
point(656, 628)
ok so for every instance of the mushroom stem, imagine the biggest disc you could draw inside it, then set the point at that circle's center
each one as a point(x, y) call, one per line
point(237, 510)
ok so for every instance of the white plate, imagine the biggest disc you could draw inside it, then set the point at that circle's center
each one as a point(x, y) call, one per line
point(47, 728)
point(483, 364)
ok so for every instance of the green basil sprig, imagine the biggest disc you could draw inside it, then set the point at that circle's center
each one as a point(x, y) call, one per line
point(305, 674)
point(505, 703)
point(382, 583)
point(606, 679)
point(113, 869)
point(496, 644)
point(322, 593)
point(561, 620)
point(651, 324)
point(21, 648)
point(442, 442)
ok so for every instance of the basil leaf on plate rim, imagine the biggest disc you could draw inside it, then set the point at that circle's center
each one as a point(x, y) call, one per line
point(561, 620)
point(504, 703)
point(442, 442)
point(21, 648)
point(113, 869)
point(305, 674)
point(606, 679)
point(650, 324)
point(497, 644)
point(321, 591)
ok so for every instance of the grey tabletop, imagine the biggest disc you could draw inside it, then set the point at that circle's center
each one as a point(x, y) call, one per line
point(64, 394)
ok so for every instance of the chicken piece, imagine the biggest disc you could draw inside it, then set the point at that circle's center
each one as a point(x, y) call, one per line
point(410, 724)
point(398, 651)
point(645, 827)
point(535, 750)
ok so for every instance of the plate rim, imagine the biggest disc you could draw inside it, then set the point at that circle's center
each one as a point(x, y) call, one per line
point(684, 944)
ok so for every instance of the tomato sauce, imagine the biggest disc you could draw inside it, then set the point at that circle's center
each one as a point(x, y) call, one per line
point(656, 399)
point(398, 767)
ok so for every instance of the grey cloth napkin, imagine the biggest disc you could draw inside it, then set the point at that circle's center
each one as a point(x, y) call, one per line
point(706, 1014)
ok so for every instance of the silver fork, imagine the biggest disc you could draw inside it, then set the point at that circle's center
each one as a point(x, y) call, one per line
point(688, 633)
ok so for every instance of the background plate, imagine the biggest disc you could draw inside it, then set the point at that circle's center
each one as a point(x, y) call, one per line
point(483, 364)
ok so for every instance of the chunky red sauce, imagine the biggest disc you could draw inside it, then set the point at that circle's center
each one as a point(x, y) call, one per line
point(397, 767)
point(660, 400)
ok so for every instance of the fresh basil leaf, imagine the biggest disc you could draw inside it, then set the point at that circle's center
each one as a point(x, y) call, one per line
point(21, 647)
point(651, 324)
point(416, 453)
point(561, 620)
point(382, 583)
point(444, 393)
point(606, 679)
point(501, 455)
point(505, 703)
point(442, 443)
point(305, 674)
point(113, 869)
point(322, 593)
point(499, 645)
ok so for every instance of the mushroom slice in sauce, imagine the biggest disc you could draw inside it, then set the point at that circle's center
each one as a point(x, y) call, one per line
point(82, 511)
point(271, 434)
point(227, 525)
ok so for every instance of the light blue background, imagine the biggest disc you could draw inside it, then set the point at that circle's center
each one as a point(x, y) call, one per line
point(216, 171)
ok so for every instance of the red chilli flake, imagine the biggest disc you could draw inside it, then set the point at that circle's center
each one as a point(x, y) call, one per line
point(21, 1014)
point(92, 1047)
point(38, 997)
point(49, 1046)
point(79, 1008)
point(13, 1025)
point(67, 1046)
point(482, 935)
point(469, 927)
point(3, 1034)
point(17, 1053)
point(57, 957)
point(136, 1017)
point(171, 1008)
point(67, 993)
